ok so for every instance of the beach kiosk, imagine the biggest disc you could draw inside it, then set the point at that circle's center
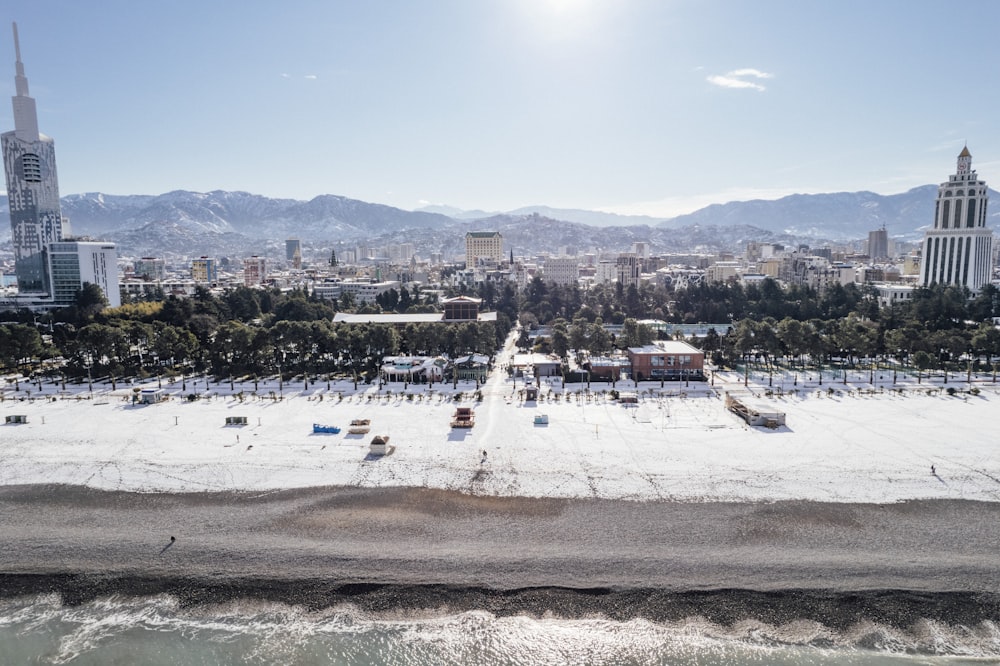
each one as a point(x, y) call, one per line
point(359, 426)
point(151, 396)
point(379, 445)
point(464, 418)
point(755, 415)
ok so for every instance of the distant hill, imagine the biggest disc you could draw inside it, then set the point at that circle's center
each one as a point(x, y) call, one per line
point(186, 223)
point(839, 216)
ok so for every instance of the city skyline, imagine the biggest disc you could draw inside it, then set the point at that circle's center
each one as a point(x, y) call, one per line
point(634, 107)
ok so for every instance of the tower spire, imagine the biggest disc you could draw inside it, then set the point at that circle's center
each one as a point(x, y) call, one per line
point(25, 115)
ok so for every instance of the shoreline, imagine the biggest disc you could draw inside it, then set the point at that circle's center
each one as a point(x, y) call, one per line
point(421, 539)
point(832, 609)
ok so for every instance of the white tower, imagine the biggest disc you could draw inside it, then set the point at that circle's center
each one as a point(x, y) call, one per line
point(958, 250)
point(32, 188)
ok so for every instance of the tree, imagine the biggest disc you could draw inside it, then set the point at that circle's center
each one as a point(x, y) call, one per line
point(635, 334)
point(560, 338)
point(88, 302)
point(19, 344)
point(922, 360)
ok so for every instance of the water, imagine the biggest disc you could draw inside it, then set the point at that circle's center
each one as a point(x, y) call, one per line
point(157, 630)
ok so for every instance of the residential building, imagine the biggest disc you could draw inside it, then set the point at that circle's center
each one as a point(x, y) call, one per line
point(627, 266)
point(605, 272)
point(204, 270)
point(958, 250)
point(722, 271)
point(254, 271)
point(561, 270)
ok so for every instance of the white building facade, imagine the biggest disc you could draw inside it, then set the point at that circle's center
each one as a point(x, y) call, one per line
point(958, 250)
point(72, 264)
point(561, 270)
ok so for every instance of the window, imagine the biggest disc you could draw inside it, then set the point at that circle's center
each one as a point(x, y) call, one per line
point(31, 166)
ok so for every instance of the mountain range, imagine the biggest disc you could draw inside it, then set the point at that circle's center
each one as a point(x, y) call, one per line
point(183, 223)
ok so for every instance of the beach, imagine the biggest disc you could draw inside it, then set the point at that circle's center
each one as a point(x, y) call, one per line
point(842, 442)
point(833, 529)
point(322, 546)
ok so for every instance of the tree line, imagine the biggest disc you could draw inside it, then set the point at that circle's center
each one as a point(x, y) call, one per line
point(258, 332)
point(242, 332)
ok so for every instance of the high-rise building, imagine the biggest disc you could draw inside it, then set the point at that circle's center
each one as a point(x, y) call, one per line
point(627, 265)
point(878, 244)
point(29, 159)
point(72, 264)
point(958, 250)
point(293, 252)
point(483, 247)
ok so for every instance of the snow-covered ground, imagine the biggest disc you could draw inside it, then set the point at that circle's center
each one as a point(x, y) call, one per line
point(856, 443)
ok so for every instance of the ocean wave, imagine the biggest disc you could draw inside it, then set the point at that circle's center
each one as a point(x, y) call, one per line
point(162, 629)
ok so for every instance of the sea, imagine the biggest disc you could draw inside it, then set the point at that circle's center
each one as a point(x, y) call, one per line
point(159, 629)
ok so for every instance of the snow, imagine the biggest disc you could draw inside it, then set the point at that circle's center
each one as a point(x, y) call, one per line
point(844, 442)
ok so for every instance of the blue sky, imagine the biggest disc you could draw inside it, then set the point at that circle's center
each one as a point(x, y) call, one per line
point(635, 106)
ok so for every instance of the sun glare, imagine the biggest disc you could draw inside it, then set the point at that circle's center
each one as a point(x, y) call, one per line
point(563, 20)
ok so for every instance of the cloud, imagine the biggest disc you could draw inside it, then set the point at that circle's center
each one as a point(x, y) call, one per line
point(740, 78)
point(285, 75)
point(311, 76)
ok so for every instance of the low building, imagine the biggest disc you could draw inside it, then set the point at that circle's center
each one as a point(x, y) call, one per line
point(539, 365)
point(893, 293)
point(413, 369)
point(473, 366)
point(607, 368)
point(364, 292)
point(667, 360)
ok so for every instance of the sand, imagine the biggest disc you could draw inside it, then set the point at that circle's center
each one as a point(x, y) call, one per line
point(402, 549)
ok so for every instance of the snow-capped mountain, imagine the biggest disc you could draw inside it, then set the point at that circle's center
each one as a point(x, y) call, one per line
point(183, 222)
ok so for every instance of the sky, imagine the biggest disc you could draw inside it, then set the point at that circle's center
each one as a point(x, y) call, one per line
point(653, 107)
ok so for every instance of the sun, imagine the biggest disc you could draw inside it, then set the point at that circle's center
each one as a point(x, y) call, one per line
point(562, 20)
